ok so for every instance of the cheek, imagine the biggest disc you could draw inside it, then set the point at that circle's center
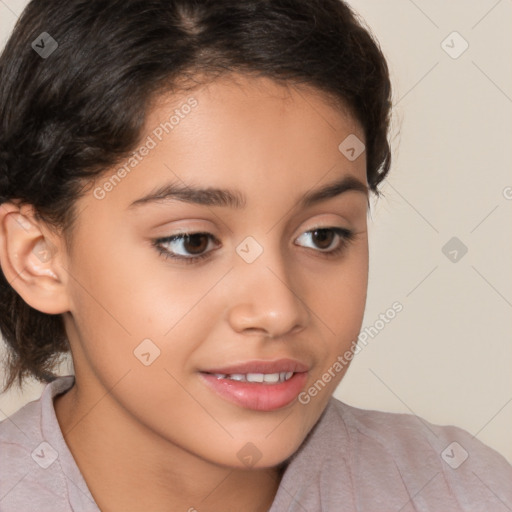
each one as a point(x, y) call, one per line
point(339, 300)
point(136, 313)
point(118, 299)
point(339, 295)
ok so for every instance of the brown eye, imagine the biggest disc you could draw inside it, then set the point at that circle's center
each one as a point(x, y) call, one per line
point(323, 238)
point(196, 243)
point(187, 247)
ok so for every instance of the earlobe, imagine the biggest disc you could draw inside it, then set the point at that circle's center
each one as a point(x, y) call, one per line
point(29, 260)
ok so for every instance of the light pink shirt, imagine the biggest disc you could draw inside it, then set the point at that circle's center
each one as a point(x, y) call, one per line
point(353, 460)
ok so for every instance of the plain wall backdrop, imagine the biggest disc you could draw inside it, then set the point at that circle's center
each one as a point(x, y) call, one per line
point(440, 237)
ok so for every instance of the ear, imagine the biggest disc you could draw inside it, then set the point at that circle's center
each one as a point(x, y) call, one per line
point(31, 258)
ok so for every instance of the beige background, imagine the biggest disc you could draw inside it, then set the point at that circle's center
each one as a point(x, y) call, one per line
point(447, 356)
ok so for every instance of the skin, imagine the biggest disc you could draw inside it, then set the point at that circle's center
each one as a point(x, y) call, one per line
point(155, 437)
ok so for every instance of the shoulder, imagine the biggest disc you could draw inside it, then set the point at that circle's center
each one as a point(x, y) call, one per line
point(30, 473)
point(434, 465)
point(412, 438)
point(18, 433)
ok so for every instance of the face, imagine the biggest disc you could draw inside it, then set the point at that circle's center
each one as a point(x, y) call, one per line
point(181, 306)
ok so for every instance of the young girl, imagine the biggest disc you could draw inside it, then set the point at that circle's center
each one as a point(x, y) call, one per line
point(184, 189)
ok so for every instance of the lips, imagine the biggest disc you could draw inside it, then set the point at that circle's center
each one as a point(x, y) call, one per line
point(253, 384)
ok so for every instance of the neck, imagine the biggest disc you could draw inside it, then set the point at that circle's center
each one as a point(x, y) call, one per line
point(129, 468)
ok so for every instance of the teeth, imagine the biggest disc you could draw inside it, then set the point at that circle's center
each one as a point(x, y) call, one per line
point(268, 378)
point(255, 377)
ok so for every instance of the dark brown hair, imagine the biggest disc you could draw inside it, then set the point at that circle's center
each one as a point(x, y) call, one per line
point(66, 118)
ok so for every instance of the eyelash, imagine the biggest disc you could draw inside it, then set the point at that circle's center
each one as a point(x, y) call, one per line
point(346, 237)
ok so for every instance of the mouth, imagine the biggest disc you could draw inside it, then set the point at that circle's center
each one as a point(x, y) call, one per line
point(265, 378)
point(258, 385)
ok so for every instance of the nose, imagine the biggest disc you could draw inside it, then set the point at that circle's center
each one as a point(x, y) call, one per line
point(266, 297)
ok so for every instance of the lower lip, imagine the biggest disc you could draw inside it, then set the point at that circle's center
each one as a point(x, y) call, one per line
point(255, 395)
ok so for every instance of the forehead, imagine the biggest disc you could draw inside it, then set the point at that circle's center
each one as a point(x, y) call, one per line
point(266, 103)
point(245, 133)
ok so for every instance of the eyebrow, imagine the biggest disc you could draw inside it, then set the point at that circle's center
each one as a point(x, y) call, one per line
point(235, 199)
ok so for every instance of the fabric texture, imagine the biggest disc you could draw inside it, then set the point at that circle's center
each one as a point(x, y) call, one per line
point(352, 460)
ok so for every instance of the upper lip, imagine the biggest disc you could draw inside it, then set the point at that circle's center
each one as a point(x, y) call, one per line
point(277, 366)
